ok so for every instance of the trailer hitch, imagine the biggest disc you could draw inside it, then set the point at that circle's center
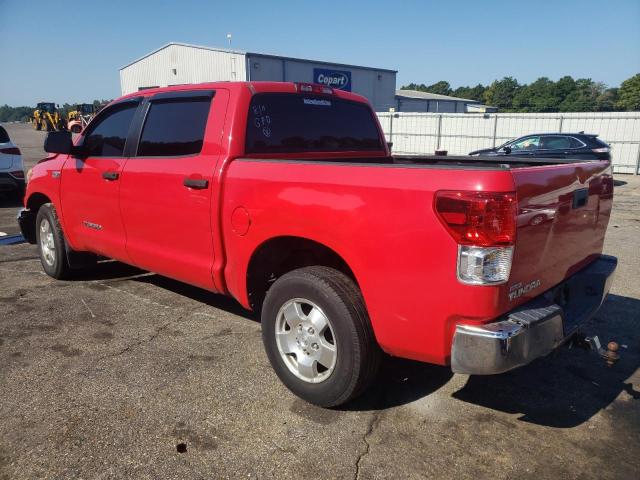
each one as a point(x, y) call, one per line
point(610, 355)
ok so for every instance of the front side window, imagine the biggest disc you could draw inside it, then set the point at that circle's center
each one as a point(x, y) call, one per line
point(107, 137)
point(529, 143)
point(294, 123)
point(174, 127)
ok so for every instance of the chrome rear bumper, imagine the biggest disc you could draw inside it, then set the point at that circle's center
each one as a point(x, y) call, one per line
point(536, 328)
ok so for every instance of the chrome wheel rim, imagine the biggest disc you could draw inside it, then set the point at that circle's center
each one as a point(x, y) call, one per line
point(306, 340)
point(47, 245)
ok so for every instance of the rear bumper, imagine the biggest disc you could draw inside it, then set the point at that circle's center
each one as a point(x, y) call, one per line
point(537, 327)
point(9, 183)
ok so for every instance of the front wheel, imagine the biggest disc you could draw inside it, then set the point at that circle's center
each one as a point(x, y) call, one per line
point(51, 244)
point(318, 337)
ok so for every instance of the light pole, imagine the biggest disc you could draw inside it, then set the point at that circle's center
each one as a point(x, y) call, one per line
point(229, 39)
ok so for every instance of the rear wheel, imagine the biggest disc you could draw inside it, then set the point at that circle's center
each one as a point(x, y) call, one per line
point(318, 337)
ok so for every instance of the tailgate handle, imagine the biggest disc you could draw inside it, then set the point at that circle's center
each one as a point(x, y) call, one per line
point(580, 197)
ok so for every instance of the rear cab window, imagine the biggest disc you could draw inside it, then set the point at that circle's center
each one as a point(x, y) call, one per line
point(297, 123)
point(174, 127)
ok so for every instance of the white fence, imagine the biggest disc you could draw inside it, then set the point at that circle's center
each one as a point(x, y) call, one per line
point(461, 133)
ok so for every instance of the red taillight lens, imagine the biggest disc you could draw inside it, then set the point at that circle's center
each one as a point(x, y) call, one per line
point(478, 218)
point(17, 174)
point(10, 151)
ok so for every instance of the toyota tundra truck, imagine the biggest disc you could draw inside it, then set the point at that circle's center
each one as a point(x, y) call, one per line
point(285, 197)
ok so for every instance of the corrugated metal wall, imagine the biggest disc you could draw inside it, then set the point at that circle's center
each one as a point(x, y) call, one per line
point(378, 86)
point(459, 134)
point(177, 64)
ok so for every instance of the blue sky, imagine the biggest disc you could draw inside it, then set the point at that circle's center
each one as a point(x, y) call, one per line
point(70, 51)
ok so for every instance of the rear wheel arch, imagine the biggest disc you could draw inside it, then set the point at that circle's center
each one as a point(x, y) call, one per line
point(280, 255)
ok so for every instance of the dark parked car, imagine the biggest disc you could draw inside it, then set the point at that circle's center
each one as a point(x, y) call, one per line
point(580, 146)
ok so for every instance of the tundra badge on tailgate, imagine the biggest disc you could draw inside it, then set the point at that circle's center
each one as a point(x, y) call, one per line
point(519, 289)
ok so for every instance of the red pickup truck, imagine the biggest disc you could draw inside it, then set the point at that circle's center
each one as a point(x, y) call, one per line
point(285, 197)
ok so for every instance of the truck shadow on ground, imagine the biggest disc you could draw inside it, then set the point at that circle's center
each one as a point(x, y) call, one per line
point(562, 390)
point(571, 385)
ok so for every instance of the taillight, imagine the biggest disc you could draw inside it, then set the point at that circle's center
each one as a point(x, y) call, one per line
point(484, 226)
point(10, 151)
point(17, 174)
point(601, 150)
point(313, 88)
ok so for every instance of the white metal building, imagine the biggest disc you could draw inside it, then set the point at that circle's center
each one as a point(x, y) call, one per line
point(417, 101)
point(179, 63)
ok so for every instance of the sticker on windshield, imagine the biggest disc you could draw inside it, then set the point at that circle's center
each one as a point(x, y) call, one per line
point(314, 101)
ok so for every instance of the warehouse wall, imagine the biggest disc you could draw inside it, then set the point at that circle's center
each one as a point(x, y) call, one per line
point(191, 64)
point(378, 86)
point(459, 134)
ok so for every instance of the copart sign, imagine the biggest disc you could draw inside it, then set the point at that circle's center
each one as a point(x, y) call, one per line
point(338, 79)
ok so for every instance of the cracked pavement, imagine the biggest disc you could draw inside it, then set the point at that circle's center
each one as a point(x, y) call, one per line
point(103, 377)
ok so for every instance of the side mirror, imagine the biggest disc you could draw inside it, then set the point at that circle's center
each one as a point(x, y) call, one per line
point(389, 145)
point(58, 142)
point(507, 150)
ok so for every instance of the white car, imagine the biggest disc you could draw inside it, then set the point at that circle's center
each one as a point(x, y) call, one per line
point(11, 166)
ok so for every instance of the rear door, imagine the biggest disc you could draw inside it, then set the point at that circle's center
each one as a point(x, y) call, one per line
point(554, 146)
point(90, 184)
point(166, 188)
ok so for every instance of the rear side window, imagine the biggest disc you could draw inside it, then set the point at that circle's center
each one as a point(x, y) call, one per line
point(555, 143)
point(575, 143)
point(174, 127)
point(293, 123)
point(598, 143)
point(107, 137)
point(4, 136)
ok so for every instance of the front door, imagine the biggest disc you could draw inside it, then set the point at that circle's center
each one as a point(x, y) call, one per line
point(90, 184)
point(166, 188)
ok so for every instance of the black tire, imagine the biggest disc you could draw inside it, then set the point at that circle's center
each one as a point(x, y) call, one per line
point(59, 268)
point(357, 352)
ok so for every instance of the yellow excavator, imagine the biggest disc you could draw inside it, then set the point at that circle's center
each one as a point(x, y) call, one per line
point(78, 118)
point(46, 117)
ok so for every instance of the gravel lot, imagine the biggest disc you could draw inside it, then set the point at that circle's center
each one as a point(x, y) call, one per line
point(104, 376)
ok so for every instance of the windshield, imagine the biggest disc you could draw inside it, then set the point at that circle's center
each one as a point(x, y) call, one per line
point(47, 107)
point(294, 123)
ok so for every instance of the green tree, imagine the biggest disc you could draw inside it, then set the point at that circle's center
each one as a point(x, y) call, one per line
point(441, 87)
point(539, 96)
point(629, 94)
point(471, 93)
point(583, 97)
point(606, 101)
point(501, 92)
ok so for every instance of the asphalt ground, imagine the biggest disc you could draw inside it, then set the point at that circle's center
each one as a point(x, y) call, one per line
point(110, 375)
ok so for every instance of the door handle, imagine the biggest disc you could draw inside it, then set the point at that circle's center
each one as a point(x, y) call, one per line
point(111, 176)
point(197, 183)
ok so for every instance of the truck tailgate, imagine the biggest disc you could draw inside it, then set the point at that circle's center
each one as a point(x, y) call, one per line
point(563, 212)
